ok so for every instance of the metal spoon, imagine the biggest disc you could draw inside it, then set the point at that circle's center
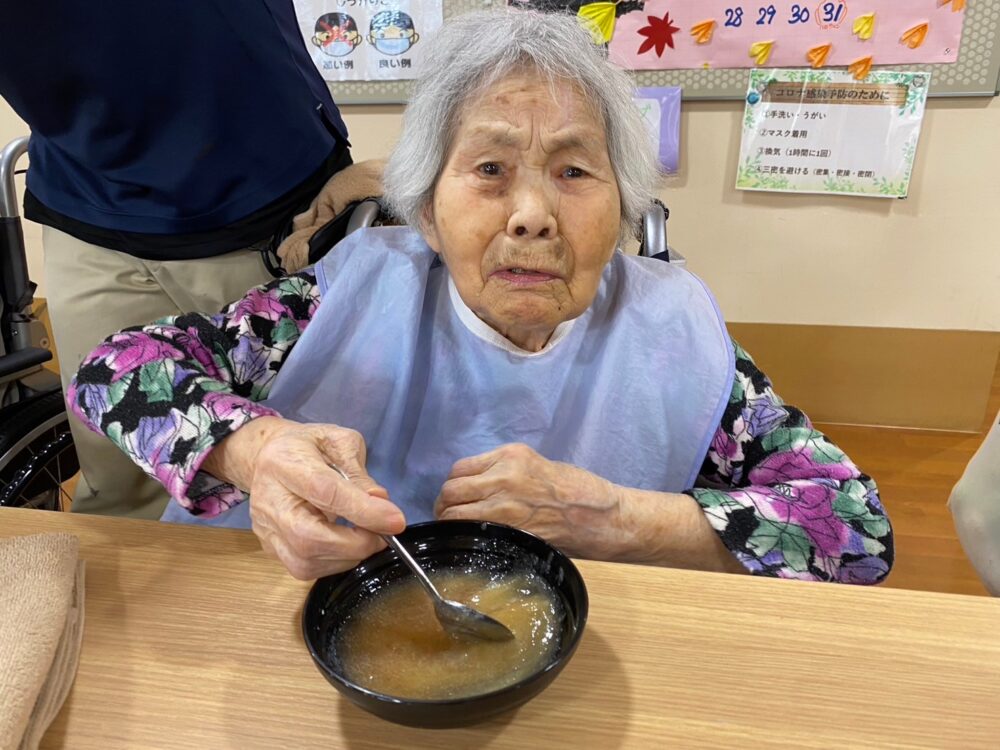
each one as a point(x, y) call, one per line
point(456, 618)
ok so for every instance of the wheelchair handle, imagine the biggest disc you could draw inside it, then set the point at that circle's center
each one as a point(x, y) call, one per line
point(364, 215)
point(8, 193)
point(654, 230)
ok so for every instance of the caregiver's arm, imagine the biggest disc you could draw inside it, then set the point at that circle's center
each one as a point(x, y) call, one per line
point(169, 392)
point(785, 500)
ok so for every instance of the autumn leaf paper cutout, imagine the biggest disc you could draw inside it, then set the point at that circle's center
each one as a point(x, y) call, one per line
point(659, 35)
point(864, 26)
point(761, 52)
point(817, 55)
point(702, 32)
point(914, 37)
point(860, 68)
point(599, 19)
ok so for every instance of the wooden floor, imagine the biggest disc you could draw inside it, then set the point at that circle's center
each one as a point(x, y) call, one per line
point(915, 471)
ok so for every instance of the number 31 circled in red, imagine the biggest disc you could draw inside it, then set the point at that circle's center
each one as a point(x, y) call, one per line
point(830, 15)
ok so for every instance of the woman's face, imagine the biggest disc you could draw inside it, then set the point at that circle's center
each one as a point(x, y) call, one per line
point(526, 212)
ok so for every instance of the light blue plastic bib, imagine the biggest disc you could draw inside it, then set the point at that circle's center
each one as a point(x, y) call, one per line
point(633, 390)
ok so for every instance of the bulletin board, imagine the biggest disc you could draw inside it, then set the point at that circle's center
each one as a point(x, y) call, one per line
point(977, 72)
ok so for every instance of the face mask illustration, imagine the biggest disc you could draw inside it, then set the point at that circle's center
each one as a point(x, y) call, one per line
point(338, 49)
point(336, 34)
point(392, 32)
point(392, 46)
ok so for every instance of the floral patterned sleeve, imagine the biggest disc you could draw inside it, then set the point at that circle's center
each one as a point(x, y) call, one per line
point(784, 499)
point(169, 392)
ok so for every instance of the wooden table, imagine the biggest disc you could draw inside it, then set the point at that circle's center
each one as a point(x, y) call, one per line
point(192, 641)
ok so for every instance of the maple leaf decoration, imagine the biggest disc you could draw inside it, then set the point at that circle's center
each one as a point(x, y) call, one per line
point(659, 34)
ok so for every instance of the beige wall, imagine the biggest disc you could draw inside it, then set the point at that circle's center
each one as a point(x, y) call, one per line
point(930, 261)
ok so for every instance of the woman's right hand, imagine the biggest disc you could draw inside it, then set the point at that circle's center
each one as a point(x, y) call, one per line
point(296, 498)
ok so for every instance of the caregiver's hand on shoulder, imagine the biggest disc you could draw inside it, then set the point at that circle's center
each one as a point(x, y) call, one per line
point(296, 497)
point(579, 512)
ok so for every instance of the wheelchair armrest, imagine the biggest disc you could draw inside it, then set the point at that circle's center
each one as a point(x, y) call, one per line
point(23, 359)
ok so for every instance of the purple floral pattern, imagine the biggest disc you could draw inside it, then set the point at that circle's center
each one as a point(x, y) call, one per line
point(785, 500)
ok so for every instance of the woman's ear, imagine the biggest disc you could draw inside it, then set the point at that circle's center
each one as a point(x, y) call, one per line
point(428, 229)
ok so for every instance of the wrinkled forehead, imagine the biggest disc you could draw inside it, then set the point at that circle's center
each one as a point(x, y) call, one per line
point(501, 101)
point(566, 93)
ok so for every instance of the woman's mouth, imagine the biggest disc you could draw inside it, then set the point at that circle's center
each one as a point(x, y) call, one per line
point(524, 276)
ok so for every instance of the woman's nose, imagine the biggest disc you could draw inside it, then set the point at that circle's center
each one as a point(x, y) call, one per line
point(533, 213)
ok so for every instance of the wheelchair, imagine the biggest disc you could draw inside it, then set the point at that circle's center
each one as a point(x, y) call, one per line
point(36, 447)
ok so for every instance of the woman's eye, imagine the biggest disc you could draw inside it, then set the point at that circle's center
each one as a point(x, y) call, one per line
point(490, 169)
point(573, 172)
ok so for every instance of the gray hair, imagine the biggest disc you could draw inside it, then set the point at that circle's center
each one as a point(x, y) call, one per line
point(472, 52)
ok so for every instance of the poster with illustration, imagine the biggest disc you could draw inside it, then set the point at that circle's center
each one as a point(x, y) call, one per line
point(368, 40)
point(678, 34)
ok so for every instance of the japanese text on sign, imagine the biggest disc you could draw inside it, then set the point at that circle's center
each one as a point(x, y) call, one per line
point(820, 132)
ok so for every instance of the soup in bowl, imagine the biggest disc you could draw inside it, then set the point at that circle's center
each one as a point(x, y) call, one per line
point(373, 634)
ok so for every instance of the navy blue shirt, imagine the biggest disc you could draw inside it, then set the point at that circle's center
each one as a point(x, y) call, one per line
point(165, 118)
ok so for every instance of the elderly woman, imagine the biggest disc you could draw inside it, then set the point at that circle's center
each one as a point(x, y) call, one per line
point(499, 360)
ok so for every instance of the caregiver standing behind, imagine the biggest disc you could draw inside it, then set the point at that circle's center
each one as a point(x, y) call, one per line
point(171, 144)
point(535, 376)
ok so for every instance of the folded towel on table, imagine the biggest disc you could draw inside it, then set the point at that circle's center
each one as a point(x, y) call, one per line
point(41, 628)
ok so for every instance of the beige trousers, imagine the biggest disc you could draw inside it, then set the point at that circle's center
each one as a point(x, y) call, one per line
point(93, 292)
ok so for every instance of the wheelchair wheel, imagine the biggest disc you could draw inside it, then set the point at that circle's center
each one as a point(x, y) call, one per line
point(36, 453)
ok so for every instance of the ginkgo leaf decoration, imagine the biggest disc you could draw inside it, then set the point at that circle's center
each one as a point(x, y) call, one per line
point(914, 37)
point(702, 32)
point(761, 52)
point(861, 67)
point(817, 55)
point(864, 26)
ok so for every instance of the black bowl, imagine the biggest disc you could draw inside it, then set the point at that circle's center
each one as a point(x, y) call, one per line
point(445, 544)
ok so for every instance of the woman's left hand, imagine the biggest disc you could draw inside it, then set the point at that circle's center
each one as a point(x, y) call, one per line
point(577, 511)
